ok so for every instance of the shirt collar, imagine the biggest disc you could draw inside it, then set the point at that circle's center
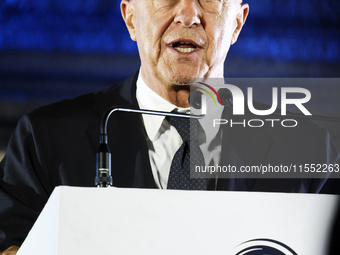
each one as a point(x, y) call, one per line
point(149, 100)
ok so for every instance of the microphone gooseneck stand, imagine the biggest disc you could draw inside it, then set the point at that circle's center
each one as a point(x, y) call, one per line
point(103, 177)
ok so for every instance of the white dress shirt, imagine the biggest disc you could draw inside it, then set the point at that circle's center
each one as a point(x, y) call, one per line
point(163, 139)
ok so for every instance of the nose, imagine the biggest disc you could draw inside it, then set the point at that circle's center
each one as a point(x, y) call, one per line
point(188, 13)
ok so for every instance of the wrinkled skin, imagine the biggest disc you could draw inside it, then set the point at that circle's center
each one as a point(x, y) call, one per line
point(159, 25)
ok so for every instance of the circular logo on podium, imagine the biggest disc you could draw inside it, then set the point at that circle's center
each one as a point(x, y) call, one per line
point(264, 247)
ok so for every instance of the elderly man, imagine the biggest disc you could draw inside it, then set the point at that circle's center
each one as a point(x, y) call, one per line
point(56, 145)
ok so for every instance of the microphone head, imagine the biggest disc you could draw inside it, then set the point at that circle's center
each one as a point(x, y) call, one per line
point(195, 99)
point(226, 97)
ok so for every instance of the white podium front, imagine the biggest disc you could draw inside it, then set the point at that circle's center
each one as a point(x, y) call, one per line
point(140, 221)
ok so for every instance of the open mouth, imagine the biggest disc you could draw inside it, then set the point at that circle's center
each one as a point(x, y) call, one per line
point(184, 47)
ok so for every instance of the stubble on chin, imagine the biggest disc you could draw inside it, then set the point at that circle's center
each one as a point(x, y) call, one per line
point(171, 78)
point(176, 88)
point(177, 74)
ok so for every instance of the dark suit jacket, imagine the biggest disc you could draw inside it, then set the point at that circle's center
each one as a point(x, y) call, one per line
point(56, 145)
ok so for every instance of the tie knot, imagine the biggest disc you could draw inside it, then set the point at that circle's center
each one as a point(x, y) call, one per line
point(186, 127)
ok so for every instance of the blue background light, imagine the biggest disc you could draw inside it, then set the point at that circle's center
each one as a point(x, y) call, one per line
point(288, 30)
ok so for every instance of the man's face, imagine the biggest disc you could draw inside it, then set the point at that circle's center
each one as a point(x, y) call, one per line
point(183, 39)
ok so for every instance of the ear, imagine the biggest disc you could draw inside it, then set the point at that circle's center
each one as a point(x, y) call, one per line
point(128, 13)
point(240, 20)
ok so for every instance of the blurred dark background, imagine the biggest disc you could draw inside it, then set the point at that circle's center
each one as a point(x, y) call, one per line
point(56, 49)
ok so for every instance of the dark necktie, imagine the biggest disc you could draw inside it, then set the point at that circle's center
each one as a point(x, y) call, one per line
point(189, 152)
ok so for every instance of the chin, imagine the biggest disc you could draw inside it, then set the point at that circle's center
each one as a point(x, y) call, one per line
point(181, 80)
point(183, 76)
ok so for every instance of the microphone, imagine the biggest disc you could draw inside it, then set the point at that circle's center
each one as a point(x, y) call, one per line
point(103, 168)
point(226, 97)
point(195, 98)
